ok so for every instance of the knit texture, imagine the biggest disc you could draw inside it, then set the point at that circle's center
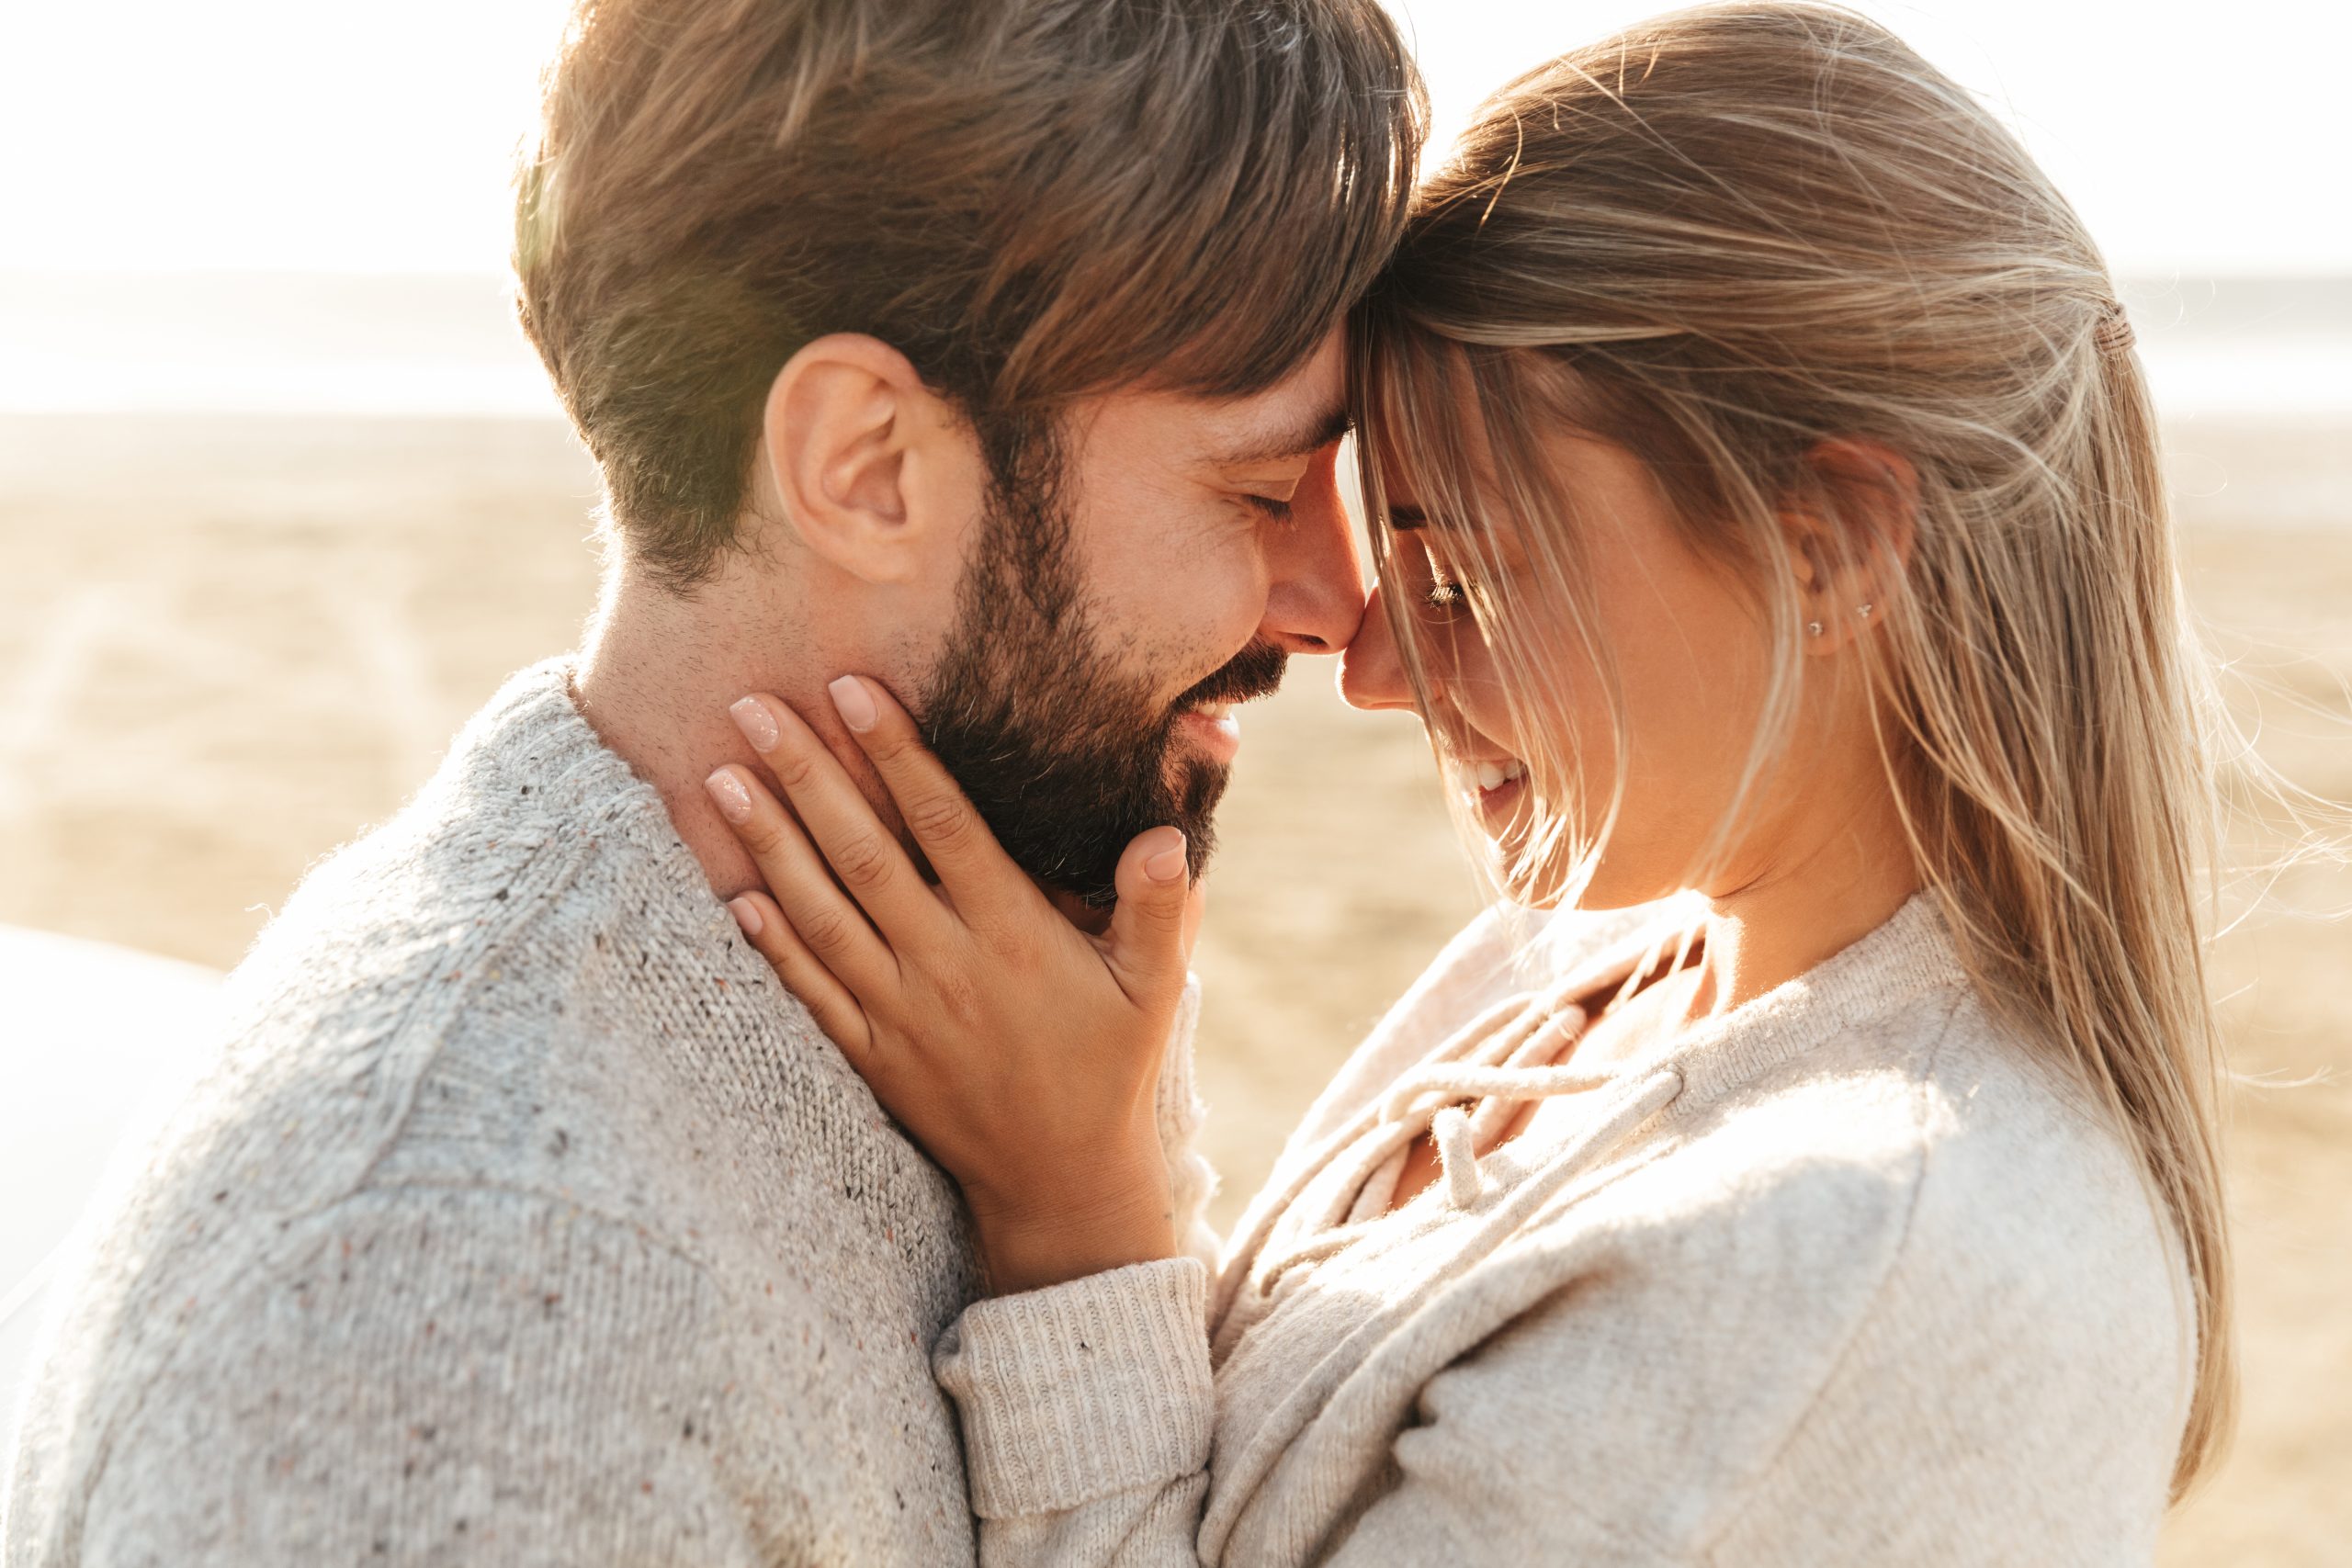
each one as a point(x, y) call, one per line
point(524, 1220)
point(1056, 1361)
point(1843, 1277)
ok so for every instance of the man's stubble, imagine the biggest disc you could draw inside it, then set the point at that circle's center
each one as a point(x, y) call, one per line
point(1067, 755)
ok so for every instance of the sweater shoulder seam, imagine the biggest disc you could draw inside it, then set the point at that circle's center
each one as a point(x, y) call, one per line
point(558, 867)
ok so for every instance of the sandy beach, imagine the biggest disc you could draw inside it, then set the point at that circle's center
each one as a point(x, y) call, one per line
point(228, 644)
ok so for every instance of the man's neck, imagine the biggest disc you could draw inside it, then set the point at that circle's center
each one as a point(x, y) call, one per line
point(656, 677)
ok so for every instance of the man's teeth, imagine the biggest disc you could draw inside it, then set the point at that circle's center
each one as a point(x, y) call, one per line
point(1493, 776)
point(1213, 710)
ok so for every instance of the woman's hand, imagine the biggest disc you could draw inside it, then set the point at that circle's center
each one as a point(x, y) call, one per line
point(1021, 1053)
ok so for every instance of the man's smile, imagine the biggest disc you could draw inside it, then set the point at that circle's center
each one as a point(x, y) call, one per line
point(1213, 728)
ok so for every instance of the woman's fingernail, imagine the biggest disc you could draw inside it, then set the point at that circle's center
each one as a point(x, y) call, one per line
point(853, 703)
point(1167, 865)
point(747, 915)
point(727, 791)
point(751, 716)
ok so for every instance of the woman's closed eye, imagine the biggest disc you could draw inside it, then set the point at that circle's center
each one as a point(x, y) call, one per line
point(1449, 590)
point(1447, 594)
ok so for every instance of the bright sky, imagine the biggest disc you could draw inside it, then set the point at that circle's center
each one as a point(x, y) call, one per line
point(292, 134)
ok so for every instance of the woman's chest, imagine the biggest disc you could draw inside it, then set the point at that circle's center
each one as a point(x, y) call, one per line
point(1383, 1302)
point(1345, 1287)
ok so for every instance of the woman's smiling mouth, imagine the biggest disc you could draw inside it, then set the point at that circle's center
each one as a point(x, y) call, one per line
point(1493, 785)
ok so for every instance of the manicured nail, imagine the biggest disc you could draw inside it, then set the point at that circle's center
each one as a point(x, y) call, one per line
point(853, 703)
point(747, 915)
point(751, 716)
point(727, 791)
point(1168, 865)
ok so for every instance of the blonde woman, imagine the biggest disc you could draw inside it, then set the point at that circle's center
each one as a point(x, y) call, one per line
point(1810, 1159)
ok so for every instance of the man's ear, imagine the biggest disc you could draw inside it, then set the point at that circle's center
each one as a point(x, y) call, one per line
point(846, 422)
point(1851, 550)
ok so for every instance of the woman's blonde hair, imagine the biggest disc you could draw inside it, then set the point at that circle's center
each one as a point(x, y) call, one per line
point(1719, 239)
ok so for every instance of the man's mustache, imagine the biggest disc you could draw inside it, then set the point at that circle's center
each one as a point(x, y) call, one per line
point(1255, 671)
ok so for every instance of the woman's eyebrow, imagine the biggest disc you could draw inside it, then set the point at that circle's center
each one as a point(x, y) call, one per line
point(1405, 519)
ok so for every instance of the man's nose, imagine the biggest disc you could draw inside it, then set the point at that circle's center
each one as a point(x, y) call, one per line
point(1314, 594)
point(1372, 671)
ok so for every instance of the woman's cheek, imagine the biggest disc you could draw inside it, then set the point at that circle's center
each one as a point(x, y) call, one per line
point(1569, 749)
point(1483, 703)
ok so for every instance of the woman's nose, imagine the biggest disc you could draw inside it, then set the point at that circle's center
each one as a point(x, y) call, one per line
point(1372, 671)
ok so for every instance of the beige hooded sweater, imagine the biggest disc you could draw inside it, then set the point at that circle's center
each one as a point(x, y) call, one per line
point(1840, 1277)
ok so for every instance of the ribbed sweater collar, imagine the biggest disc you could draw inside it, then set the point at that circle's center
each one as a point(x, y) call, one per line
point(1906, 964)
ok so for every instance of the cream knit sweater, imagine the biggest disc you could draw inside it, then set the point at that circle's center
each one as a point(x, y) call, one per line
point(1839, 1277)
point(525, 1221)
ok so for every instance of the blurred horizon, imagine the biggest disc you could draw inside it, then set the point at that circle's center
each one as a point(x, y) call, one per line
point(271, 207)
point(446, 344)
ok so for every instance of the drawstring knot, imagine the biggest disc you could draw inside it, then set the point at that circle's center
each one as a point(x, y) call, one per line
point(1463, 1095)
point(1432, 1096)
point(1628, 1107)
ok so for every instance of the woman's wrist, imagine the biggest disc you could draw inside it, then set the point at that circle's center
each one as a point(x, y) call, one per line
point(1035, 1244)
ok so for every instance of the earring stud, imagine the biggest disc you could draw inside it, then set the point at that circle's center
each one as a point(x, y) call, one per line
point(1864, 612)
point(1813, 628)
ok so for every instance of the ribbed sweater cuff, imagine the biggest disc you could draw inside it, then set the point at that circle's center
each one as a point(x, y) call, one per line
point(1083, 1390)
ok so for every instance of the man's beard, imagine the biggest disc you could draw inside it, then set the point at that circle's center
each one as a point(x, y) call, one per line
point(1066, 757)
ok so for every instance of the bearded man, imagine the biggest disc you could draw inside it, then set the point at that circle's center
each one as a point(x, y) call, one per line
point(987, 347)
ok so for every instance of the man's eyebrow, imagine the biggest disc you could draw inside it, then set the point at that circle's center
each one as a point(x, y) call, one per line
point(1302, 441)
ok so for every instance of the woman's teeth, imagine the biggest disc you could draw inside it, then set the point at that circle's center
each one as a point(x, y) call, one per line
point(1493, 776)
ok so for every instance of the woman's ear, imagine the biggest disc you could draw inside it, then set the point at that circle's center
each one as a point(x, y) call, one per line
point(1852, 548)
point(843, 420)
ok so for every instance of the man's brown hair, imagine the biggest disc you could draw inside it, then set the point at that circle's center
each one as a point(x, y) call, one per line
point(1032, 200)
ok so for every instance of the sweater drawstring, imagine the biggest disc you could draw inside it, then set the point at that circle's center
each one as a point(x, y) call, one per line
point(1337, 1189)
point(1620, 1113)
point(1525, 1072)
point(1432, 1096)
point(1458, 1157)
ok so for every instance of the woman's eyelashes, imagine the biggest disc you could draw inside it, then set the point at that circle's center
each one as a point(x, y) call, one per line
point(1421, 579)
point(1448, 591)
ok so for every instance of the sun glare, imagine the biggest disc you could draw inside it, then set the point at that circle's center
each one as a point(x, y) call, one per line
point(284, 135)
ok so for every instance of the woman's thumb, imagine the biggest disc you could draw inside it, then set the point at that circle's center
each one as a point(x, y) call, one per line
point(1146, 944)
